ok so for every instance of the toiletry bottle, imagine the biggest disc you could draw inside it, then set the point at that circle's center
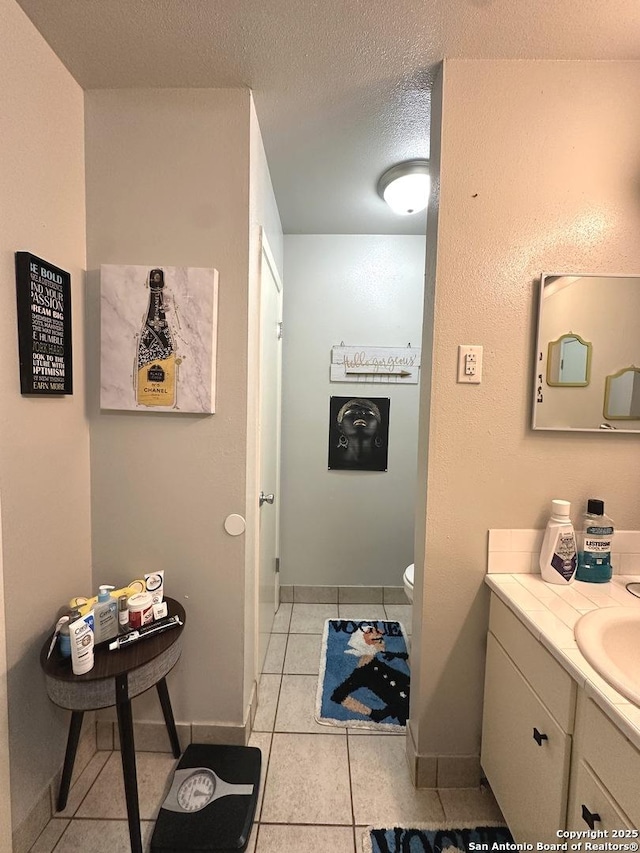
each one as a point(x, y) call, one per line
point(81, 636)
point(123, 614)
point(558, 557)
point(155, 585)
point(64, 640)
point(594, 560)
point(105, 615)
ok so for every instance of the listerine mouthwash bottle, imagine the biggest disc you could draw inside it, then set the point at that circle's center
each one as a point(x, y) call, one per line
point(594, 559)
point(156, 359)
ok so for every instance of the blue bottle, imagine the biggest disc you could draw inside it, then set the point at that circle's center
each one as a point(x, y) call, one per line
point(594, 559)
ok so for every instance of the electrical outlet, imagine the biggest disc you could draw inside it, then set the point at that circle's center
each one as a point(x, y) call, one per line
point(469, 364)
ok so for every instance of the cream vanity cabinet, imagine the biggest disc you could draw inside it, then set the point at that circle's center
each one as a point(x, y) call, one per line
point(605, 775)
point(529, 704)
point(553, 759)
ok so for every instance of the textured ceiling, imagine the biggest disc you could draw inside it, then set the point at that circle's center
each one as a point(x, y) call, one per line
point(341, 86)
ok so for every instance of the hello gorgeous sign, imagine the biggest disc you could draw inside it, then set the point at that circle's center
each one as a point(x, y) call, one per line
point(375, 364)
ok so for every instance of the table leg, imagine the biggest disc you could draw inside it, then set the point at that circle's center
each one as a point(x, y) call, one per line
point(127, 750)
point(165, 701)
point(75, 727)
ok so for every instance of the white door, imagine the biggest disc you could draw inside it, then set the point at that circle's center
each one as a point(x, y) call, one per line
point(269, 445)
point(573, 361)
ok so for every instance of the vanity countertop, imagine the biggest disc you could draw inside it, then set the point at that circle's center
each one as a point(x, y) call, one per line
point(550, 612)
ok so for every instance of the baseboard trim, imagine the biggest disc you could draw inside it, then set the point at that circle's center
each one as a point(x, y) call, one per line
point(459, 771)
point(423, 769)
point(152, 736)
point(220, 733)
point(296, 594)
point(441, 771)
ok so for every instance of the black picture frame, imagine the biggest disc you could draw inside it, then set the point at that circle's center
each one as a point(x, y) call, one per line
point(43, 294)
point(358, 433)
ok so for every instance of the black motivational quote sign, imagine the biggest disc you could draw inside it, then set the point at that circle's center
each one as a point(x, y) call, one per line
point(44, 326)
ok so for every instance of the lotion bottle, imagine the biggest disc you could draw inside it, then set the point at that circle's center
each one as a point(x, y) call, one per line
point(81, 637)
point(105, 615)
point(558, 557)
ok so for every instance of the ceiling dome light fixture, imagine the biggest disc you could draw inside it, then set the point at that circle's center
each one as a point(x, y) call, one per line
point(405, 186)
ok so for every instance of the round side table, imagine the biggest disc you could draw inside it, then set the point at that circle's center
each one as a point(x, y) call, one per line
point(116, 677)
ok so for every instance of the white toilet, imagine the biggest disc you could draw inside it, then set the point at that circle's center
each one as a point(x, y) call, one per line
point(407, 579)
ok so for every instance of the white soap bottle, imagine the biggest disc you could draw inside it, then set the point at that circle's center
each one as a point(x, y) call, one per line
point(105, 615)
point(558, 557)
point(82, 641)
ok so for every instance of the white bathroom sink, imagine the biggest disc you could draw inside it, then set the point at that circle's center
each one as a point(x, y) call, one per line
point(609, 638)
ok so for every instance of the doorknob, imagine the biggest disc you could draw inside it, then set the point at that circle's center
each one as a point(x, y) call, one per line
point(266, 499)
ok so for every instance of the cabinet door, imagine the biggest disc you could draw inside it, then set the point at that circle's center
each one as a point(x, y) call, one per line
point(614, 760)
point(591, 806)
point(525, 753)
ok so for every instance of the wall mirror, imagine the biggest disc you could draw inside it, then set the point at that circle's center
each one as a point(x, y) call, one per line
point(588, 343)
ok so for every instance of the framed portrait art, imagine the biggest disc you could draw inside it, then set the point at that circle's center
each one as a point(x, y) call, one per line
point(358, 433)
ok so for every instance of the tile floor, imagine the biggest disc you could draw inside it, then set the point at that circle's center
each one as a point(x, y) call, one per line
point(321, 785)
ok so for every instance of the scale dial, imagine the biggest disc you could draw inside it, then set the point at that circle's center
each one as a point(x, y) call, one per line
point(193, 788)
point(197, 790)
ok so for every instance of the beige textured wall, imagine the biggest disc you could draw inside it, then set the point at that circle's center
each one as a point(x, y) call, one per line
point(168, 183)
point(44, 451)
point(539, 171)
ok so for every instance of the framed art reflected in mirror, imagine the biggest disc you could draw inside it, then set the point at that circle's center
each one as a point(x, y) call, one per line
point(622, 395)
point(569, 361)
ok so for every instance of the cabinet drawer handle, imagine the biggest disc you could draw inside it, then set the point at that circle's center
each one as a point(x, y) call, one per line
point(590, 818)
point(538, 737)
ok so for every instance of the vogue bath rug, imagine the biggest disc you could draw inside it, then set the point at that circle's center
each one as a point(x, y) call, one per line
point(364, 675)
point(434, 839)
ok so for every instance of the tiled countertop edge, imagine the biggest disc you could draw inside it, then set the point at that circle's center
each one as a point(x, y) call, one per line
point(550, 613)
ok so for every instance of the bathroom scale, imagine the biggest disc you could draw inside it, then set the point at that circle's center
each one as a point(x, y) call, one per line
point(211, 802)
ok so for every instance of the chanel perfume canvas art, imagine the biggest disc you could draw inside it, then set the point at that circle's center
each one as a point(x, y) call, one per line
point(158, 338)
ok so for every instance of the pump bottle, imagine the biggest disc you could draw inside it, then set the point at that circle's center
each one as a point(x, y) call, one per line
point(105, 615)
point(558, 557)
point(82, 642)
